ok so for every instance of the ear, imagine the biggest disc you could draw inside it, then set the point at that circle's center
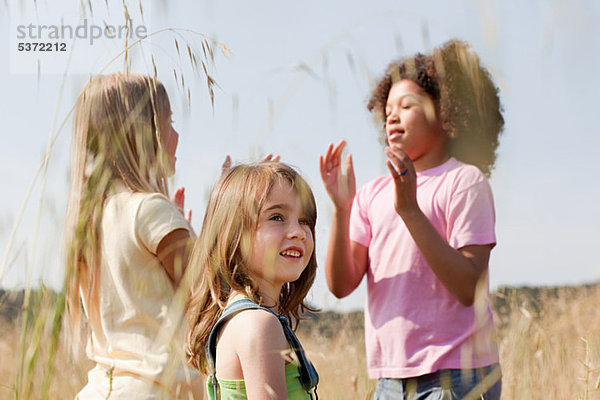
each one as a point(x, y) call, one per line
point(449, 129)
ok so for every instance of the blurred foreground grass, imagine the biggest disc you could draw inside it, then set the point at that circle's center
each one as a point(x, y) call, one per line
point(549, 341)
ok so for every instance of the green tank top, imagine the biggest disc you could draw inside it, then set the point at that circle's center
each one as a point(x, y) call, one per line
point(236, 389)
point(233, 389)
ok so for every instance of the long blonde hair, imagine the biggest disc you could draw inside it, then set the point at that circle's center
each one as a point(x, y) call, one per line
point(115, 144)
point(218, 259)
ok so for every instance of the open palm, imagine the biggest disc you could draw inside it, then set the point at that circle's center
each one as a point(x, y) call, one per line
point(341, 187)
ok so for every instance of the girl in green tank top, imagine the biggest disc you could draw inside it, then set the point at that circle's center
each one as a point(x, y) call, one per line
point(252, 266)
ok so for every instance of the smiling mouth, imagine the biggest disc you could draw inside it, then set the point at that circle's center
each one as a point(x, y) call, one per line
point(291, 253)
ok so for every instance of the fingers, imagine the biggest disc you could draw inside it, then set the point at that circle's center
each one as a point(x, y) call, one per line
point(327, 158)
point(267, 158)
point(394, 163)
point(393, 172)
point(349, 170)
point(338, 150)
point(322, 167)
point(179, 197)
point(226, 164)
point(340, 146)
point(270, 158)
point(399, 161)
point(402, 156)
point(179, 201)
point(333, 155)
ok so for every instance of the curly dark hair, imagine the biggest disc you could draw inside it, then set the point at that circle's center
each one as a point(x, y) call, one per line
point(465, 98)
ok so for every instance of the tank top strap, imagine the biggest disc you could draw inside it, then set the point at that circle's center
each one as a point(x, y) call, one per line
point(308, 375)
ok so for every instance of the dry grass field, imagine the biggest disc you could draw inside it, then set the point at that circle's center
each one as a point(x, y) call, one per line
point(549, 342)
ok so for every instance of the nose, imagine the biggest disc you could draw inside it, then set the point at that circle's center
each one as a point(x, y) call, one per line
point(297, 231)
point(392, 118)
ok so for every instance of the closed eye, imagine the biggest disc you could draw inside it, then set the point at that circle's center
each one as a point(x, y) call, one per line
point(409, 101)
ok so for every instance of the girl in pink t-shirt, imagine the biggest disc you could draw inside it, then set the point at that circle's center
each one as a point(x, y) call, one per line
point(423, 234)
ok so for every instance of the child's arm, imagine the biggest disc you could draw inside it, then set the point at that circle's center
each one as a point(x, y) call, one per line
point(161, 227)
point(346, 261)
point(173, 251)
point(260, 346)
point(459, 270)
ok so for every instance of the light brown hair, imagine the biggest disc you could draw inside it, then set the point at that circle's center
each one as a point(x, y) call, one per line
point(218, 260)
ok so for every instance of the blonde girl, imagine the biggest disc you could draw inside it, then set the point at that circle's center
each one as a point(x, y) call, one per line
point(257, 247)
point(126, 242)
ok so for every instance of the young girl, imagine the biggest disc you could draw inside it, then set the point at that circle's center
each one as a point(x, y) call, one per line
point(126, 242)
point(422, 234)
point(256, 248)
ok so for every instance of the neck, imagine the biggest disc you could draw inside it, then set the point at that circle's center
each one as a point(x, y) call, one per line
point(428, 164)
point(268, 292)
point(431, 159)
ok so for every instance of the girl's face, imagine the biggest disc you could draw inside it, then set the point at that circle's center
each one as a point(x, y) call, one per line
point(282, 243)
point(411, 121)
point(169, 139)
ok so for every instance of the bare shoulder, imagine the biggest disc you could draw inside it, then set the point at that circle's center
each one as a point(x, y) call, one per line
point(256, 330)
point(252, 339)
point(258, 348)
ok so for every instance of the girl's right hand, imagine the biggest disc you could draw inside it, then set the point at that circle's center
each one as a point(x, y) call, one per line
point(340, 187)
point(179, 201)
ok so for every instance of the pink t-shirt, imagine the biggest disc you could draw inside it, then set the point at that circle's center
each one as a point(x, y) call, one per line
point(413, 325)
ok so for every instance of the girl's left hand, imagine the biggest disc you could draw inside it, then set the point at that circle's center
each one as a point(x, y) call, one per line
point(179, 201)
point(405, 180)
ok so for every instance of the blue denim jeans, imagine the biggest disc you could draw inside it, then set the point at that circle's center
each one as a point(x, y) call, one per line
point(446, 384)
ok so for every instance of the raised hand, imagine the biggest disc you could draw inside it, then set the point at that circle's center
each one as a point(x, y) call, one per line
point(226, 164)
point(341, 187)
point(179, 201)
point(405, 180)
point(270, 158)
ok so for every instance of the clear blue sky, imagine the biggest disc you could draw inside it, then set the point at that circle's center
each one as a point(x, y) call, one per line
point(298, 78)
